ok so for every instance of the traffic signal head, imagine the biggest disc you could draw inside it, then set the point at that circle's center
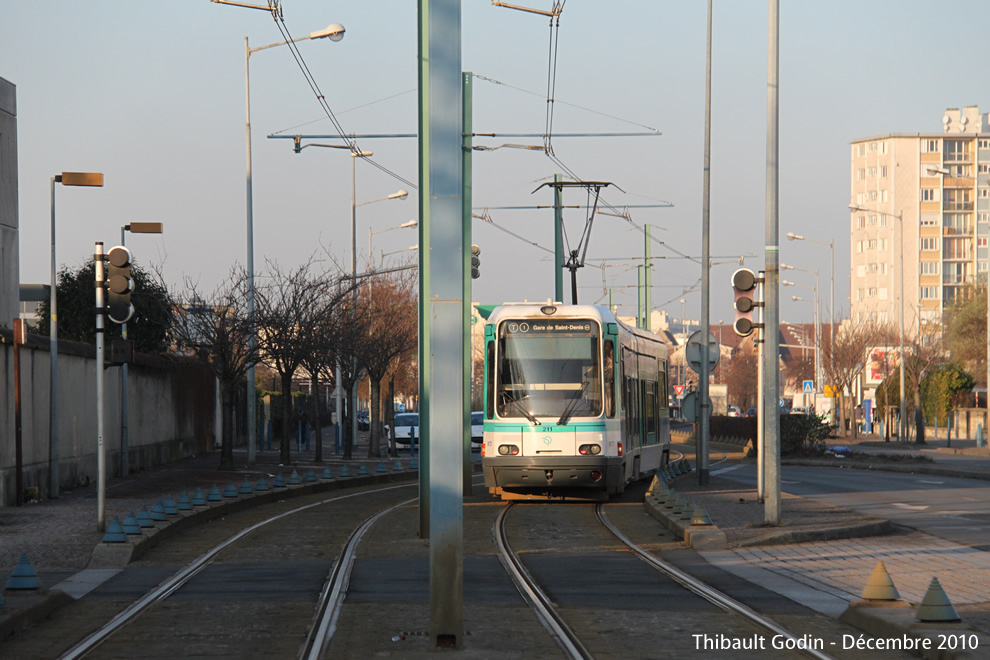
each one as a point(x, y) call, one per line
point(475, 262)
point(744, 288)
point(120, 285)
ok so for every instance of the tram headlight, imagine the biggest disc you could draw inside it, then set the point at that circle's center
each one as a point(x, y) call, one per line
point(508, 450)
point(590, 450)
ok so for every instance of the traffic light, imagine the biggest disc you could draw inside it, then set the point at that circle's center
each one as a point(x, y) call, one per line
point(744, 288)
point(475, 262)
point(120, 284)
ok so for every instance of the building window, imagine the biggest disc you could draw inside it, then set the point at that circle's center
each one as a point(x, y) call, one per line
point(929, 243)
point(957, 150)
point(929, 293)
point(873, 219)
point(860, 174)
point(929, 220)
point(984, 144)
point(981, 241)
point(929, 268)
point(984, 217)
point(872, 195)
point(871, 244)
point(957, 223)
point(873, 146)
point(957, 200)
point(861, 222)
point(871, 268)
point(984, 192)
point(984, 168)
point(860, 295)
point(860, 149)
point(929, 195)
point(883, 171)
point(983, 266)
point(872, 171)
point(871, 292)
point(928, 146)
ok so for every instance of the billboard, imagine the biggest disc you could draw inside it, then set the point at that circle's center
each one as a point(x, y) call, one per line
point(881, 361)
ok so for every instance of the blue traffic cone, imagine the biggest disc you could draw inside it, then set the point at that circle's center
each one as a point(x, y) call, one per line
point(158, 511)
point(170, 508)
point(413, 464)
point(398, 466)
point(230, 491)
point(214, 494)
point(362, 470)
point(144, 518)
point(198, 499)
point(115, 533)
point(279, 481)
point(183, 503)
point(381, 467)
point(262, 484)
point(130, 524)
point(23, 576)
point(327, 474)
point(345, 472)
point(294, 479)
point(310, 476)
point(246, 488)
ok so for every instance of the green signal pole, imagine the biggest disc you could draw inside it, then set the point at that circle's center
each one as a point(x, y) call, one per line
point(558, 240)
point(646, 280)
point(466, 165)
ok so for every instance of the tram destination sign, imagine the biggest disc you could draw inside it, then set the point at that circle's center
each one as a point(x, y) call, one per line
point(557, 327)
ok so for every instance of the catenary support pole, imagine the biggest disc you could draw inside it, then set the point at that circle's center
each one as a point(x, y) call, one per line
point(445, 306)
point(558, 240)
point(771, 416)
point(704, 407)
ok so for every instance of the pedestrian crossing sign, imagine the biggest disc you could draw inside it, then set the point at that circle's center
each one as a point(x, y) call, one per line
point(809, 387)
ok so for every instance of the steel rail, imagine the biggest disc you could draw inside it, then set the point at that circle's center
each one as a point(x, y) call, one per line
point(533, 595)
point(332, 595)
point(169, 586)
point(706, 591)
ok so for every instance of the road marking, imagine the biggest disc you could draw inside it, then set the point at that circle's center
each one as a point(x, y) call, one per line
point(912, 507)
point(789, 482)
point(923, 481)
point(726, 469)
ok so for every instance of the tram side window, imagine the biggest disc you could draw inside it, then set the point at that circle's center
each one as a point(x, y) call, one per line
point(608, 378)
point(490, 385)
point(651, 409)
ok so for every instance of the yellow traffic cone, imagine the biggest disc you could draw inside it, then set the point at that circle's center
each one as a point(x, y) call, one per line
point(880, 586)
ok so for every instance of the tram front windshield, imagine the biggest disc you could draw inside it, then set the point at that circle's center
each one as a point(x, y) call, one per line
point(550, 369)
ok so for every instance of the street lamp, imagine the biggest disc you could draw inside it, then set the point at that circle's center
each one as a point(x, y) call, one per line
point(88, 179)
point(831, 293)
point(411, 247)
point(334, 32)
point(404, 225)
point(902, 423)
point(399, 194)
point(134, 228)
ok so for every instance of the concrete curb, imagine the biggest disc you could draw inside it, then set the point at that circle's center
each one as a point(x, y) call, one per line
point(896, 620)
point(707, 537)
point(917, 468)
point(25, 609)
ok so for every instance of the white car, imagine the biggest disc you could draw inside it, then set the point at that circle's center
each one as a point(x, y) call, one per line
point(800, 410)
point(406, 427)
point(734, 411)
point(477, 430)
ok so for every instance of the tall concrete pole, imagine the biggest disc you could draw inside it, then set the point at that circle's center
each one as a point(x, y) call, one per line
point(706, 268)
point(771, 384)
point(445, 307)
point(558, 240)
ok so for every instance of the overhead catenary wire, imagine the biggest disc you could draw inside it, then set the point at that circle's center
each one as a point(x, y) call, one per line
point(321, 99)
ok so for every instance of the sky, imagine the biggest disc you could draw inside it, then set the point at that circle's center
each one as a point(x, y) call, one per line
point(152, 95)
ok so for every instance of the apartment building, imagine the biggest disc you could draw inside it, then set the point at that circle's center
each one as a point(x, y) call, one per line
point(933, 187)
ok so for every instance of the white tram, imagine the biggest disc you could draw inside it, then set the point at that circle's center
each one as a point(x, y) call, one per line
point(575, 402)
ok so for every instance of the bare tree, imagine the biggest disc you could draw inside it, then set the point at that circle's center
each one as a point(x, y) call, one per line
point(845, 360)
point(320, 361)
point(740, 376)
point(215, 329)
point(290, 305)
point(391, 331)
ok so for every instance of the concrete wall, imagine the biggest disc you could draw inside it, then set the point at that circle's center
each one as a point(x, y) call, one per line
point(172, 412)
point(9, 278)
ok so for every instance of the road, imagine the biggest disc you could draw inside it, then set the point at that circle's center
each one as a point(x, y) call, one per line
point(951, 508)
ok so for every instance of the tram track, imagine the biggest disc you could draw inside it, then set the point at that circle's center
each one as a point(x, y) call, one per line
point(328, 604)
point(564, 634)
